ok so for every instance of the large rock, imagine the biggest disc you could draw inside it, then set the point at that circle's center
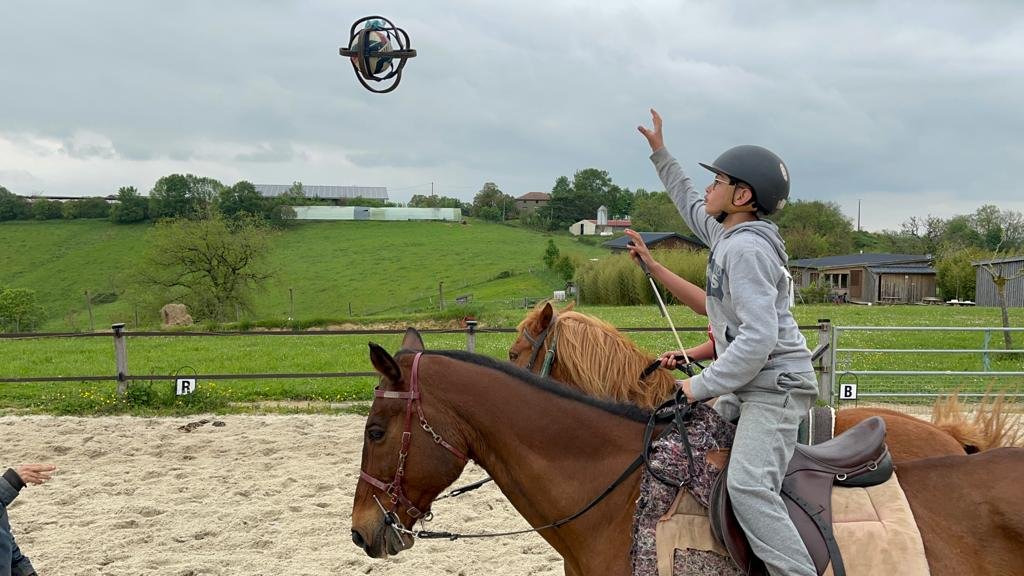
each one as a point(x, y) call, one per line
point(175, 315)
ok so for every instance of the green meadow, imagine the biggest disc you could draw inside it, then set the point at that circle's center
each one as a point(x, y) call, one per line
point(391, 275)
point(266, 352)
point(322, 271)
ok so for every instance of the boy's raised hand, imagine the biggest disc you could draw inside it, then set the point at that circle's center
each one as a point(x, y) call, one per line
point(654, 137)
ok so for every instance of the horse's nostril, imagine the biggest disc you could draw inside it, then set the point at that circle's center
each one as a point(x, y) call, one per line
point(357, 539)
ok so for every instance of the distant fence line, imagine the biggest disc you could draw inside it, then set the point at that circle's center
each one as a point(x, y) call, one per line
point(825, 356)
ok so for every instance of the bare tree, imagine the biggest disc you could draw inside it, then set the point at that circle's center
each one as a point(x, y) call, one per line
point(1000, 276)
point(212, 265)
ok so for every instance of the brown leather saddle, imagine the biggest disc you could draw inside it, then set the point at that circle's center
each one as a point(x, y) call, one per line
point(857, 457)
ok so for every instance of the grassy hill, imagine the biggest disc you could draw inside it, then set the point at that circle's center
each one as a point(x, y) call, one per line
point(378, 268)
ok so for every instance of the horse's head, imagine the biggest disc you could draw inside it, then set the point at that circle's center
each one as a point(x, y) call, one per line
point(535, 332)
point(410, 453)
point(591, 355)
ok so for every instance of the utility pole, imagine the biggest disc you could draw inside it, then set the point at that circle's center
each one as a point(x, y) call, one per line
point(858, 215)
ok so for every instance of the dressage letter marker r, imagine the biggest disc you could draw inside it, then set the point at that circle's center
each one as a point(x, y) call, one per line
point(848, 392)
point(185, 386)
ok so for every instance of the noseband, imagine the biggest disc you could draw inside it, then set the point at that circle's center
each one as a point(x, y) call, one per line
point(393, 490)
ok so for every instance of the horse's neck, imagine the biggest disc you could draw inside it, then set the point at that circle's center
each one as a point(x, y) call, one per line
point(550, 455)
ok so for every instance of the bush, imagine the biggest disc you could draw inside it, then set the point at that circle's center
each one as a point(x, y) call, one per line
point(815, 292)
point(19, 310)
point(618, 281)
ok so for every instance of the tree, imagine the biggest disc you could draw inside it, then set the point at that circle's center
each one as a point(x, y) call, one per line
point(490, 203)
point(954, 271)
point(43, 209)
point(212, 265)
point(1000, 275)
point(551, 254)
point(435, 201)
point(814, 228)
point(178, 196)
point(130, 206)
point(86, 208)
point(655, 212)
point(12, 206)
point(19, 310)
point(241, 200)
point(590, 189)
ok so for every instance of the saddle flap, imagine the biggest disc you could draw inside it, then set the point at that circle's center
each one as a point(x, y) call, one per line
point(728, 531)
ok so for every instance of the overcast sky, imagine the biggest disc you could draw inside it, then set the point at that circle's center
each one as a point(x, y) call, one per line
point(914, 108)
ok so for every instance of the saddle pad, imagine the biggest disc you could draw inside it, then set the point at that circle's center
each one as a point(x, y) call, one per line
point(874, 528)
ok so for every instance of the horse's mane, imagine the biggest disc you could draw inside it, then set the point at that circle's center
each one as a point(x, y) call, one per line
point(624, 410)
point(588, 347)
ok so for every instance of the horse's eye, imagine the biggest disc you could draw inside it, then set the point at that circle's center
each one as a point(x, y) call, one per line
point(375, 434)
point(513, 355)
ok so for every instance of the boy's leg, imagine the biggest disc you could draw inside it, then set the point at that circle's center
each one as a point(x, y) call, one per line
point(765, 439)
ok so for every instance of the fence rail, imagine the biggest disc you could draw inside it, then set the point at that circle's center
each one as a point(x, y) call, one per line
point(841, 391)
point(826, 355)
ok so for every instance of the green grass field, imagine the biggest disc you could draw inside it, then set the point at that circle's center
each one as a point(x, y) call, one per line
point(321, 269)
point(167, 355)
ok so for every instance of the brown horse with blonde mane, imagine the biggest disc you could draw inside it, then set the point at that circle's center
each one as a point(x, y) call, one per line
point(594, 357)
point(552, 449)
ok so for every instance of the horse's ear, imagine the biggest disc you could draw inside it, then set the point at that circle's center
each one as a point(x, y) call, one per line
point(385, 364)
point(545, 316)
point(570, 306)
point(413, 340)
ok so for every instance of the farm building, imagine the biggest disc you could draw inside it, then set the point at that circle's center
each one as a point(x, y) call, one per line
point(877, 278)
point(602, 226)
point(530, 201)
point(659, 241)
point(985, 290)
point(364, 213)
point(326, 192)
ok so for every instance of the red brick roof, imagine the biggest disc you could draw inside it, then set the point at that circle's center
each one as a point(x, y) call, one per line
point(615, 223)
point(535, 196)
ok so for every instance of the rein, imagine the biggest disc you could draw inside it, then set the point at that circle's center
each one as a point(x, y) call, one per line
point(397, 495)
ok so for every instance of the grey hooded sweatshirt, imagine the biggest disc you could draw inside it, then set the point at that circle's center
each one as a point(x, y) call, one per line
point(748, 294)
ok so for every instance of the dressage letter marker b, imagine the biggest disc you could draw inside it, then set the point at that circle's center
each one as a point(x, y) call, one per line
point(185, 386)
point(847, 391)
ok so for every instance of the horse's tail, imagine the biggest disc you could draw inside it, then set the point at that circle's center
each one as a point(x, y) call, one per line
point(990, 425)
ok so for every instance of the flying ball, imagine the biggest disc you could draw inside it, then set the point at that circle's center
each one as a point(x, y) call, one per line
point(378, 51)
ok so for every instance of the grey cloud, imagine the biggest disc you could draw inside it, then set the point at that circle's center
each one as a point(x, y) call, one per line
point(896, 97)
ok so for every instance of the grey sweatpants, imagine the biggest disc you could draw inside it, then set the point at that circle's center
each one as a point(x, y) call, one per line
point(770, 409)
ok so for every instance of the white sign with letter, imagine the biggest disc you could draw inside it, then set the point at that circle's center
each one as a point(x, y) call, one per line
point(184, 386)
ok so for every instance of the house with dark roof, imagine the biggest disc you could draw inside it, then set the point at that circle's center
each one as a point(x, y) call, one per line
point(658, 241)
point(877, 278)
point(1011, 268)
point(531, 201)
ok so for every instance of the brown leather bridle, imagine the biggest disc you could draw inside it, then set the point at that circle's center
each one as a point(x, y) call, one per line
point(394, 490)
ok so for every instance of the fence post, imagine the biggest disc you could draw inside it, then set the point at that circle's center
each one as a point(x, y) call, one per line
point(121, 357)
point(985, 365)
point(88, 304)
point(470, 335)
point(827, 379)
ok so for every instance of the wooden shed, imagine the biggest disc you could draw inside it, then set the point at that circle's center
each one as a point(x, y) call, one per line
point(985, 287)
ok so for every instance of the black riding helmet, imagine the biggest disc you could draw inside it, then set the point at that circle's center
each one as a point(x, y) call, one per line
point(761, 169)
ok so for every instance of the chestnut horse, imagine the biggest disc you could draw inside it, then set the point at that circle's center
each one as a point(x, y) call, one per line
point(594, 357)
point(551, 450)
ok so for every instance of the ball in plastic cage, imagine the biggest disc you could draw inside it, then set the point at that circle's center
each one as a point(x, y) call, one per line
point(378, 51)
point(374, 58)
